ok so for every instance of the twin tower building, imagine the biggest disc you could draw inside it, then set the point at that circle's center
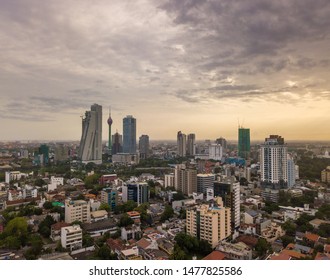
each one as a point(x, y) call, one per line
point(90, 149)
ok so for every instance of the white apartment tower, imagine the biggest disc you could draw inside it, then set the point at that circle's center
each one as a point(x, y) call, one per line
point(90, 149)
point(274, 161)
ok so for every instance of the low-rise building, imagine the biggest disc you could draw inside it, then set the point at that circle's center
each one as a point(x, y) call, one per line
point(99, 215)
point(55, 230)
point(71, 237)
point(235, 251)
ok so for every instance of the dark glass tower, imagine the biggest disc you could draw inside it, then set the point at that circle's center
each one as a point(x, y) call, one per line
point(129, 135)
point(243, 142)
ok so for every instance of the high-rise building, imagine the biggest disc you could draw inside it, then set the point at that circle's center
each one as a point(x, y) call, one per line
point(191, 144)
point(291, 172)
point(244, 142)
point(222, 141)
point(185, 179)
point(210, 223)
point(61, 152)
point(109, 121)
point(77, 210)
point(90, 149)
point(229, 190)
point(204, 181)
point(110, 196)
point(169, 180)
point(182, 144)
point(144, 146)
point(117, 143)
point(129, 135)
point(138, 192)
point(215, 151)
point(274, 162)
point(44, 154)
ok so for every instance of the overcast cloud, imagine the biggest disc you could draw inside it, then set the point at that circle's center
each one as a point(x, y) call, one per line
point(197, 66)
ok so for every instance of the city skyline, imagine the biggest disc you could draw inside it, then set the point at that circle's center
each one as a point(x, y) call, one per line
point(196, 66)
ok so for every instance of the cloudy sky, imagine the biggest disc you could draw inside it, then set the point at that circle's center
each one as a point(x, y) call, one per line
point(191, 65)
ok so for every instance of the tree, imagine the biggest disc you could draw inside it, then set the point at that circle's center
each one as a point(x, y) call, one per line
point(178, 196)
point(125, 221)
point(286, 240)
point(104, 253)
point(262, 247)
point(87, 240)
point(105, 207)
point(47, 205)
point(168, 213)
point(39, 182)
point(44, 226)
point(290, 228)
point(178, 253)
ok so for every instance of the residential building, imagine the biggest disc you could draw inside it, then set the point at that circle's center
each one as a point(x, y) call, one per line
point(138, 192)
point(129, 135)
point(55, 230)
point(235, 251)
point(77, 210)
point(109, 196)
point(169, 180)
point(191, 149)
point(215, 152)
point(291, 172)
point(274, 162)
point(90, 149)
point(204, 181)
point(144, 146)
point(125, 158)
point(270, 195)
point(325, 175)
point(209, 222)
point(185, 179)
point(244, 142)
point(71, 237)
point(229, 190)
point(181, 144)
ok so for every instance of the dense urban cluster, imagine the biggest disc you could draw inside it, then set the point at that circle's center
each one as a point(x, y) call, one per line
point(159, 200)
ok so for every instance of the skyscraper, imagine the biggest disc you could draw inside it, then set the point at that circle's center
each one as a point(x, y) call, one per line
point(129, 135)
point(274, 161)
point(109, 136)
point(117, 143)
point(243, 142)
point(144, 146)
point(90, 149)
point(191, 144)
point(185, 179)
point(182, 144)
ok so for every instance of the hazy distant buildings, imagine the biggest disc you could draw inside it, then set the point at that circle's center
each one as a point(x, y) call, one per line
point(144, 146)
point(91, 139)
point(291, 172)
point(274, 161)
point(191, 144)
point(215, 151)
point(117, 143)
point(61, 152)
point(129, 135)
point(222, 141)
point(244, 142)
point(181, 144)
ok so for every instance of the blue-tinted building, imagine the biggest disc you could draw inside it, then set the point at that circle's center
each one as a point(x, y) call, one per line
point(129, 135)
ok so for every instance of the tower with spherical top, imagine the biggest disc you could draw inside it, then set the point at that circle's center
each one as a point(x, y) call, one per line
point(109, 121)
